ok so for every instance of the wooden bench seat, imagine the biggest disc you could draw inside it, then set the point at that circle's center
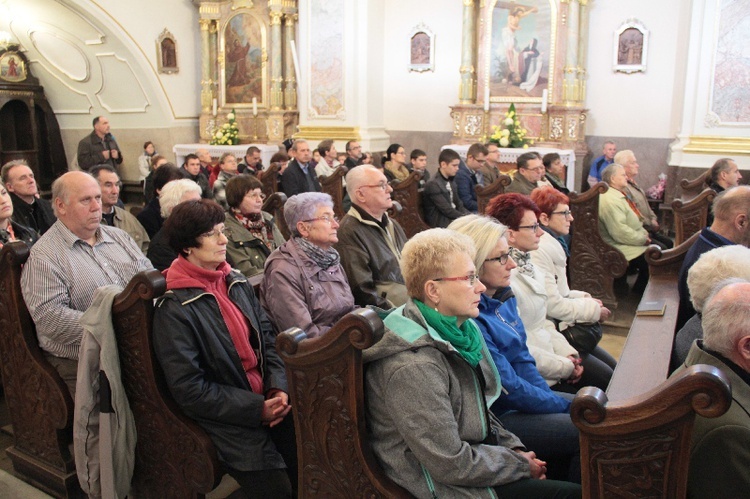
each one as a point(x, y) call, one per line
point(326, 385)
point(174, 457)
point(39, 403)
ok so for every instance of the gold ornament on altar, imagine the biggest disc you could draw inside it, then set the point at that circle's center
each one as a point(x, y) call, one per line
point(510, 133)
point(228, 133)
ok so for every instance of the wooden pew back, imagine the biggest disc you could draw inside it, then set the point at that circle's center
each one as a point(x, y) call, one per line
point(486, 193)
point(39, 403)
point(174, 457)
point(691, 216)
point(640, 447)
point(270, 179)
point(274, 204)
point(594, 264)
point(692, 187)
point(326, 385)
point(333, 185)
point(407, 194)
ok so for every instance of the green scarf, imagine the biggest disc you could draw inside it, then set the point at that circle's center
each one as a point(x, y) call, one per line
point(465, 339)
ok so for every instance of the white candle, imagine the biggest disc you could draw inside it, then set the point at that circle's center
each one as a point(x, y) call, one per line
point(213, 107)
point(295, 60)
point(486, 98)
point(255, 106)
point(544, 101)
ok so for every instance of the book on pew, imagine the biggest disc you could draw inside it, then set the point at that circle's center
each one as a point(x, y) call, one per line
point(652, 308)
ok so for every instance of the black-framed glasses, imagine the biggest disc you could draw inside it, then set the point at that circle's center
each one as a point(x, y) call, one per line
point(565, 213)
point(325, 218)
point(471, 278)
point(534, 227)
point(503, 259)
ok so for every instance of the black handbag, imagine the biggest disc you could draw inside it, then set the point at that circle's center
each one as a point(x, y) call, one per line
point(583, 336)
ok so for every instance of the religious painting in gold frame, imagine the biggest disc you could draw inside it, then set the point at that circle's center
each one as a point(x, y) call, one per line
point(166, 53)
point(243, 61)
point(519, 49)
point(12, 67)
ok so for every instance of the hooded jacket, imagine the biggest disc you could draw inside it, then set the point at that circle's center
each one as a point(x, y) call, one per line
point(428, 413)
point(204, 372)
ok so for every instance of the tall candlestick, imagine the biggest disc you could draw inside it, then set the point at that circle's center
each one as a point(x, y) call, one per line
point(544, 101)
point(213, 107)
point(255, 106)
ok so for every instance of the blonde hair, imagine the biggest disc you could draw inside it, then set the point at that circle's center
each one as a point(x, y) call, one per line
point(484, 231)
point(426, 255)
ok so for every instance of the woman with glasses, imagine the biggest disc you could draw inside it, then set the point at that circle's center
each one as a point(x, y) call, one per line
point(252, 233)
point(216, 348)
point(558, 362)
point(304, 284)
point(394, 163)
point(527, 406)
point(430, 381)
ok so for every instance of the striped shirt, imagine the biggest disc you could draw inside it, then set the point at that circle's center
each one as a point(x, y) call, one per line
point(63, 271)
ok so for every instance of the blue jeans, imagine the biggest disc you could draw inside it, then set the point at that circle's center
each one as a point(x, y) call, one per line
point(553, 437)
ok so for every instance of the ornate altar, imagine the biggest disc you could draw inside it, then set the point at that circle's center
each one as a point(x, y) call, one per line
point(247, 65)
point(531, 53)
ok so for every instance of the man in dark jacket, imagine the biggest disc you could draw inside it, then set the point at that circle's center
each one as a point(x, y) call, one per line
point(440, 198)
point(29, 209)
point(370, 242)
point(300, 175)
point(469, 176)
point(99, 147)
point(192, 170)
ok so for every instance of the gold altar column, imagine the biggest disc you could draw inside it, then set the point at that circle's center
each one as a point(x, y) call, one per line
point(206, 82)
point(276, 59)
point(290, 88)
point(467, 92)
point(571, 85)
point(583, 36)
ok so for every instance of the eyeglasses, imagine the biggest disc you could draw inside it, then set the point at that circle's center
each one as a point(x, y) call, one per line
point(215, 233)
point(471, 278)
point(503, 259)
point(325, 218)
point(256, 195)
point(565, 213)
point(382, 185)
point(534, 227)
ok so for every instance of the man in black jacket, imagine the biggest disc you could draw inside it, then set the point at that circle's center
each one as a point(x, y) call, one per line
point(28, 208)
point(99, 147)
point(300, 176)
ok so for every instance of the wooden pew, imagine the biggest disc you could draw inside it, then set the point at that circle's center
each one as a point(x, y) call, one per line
point(39, 403)
point(327, 391)
point(640, 447)
point(274, 204)
point(644, 362)
point(485, 193)
point(270, 179)
point(692, 187)
point(594, 264)
point(333, 185)
point(691, 216)
point(174, 457)
point(407, 194)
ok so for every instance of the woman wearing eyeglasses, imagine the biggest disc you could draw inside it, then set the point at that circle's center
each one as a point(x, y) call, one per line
point(527, 406)
point(568, 306)
point(252, 233)
point(430, 382)
point(216, 348)
point(304, 284)
point(558, 362)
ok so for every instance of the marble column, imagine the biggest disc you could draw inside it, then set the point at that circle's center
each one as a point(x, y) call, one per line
point(571, 85)
point(583, 36)
point(468, 88)
point(290, 87)
point(276, 61)
point(213, 50)
point(206, 82)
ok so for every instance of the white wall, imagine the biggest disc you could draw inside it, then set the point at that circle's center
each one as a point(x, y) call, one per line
point(642, 104)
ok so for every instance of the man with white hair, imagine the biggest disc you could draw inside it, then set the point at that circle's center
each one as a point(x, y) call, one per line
point(370, 242)
point(70, 261)
point(720, 448)
point(711, 268)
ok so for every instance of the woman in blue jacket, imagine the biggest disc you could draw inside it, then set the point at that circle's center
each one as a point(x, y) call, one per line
point(527, 406)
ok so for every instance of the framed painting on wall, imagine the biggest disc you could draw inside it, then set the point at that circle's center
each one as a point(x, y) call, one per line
point(12, 67)
point(421, 49)
point(631, 47)
point(166, 53)
point(243, 65)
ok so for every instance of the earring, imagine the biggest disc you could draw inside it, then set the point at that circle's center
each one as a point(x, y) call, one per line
point(189, 251)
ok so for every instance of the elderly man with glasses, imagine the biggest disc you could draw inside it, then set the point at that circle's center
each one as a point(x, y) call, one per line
point(530, 170)
point(370, 242)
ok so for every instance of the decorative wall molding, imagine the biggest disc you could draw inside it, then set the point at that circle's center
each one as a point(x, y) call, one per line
point(70, 61)
point(120, 96)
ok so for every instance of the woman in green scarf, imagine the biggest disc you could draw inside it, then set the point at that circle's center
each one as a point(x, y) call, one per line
point(430, 381)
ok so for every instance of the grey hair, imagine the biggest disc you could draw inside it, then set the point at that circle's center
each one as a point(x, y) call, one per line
point(484, 231)
point(303, 207)
point(725, 319)
point(7, 167)
point(172, 193)
point(296, 143)
point(721, 165)
point(610, 171)
point(713, 267)
point(623, 156)
point(356, 178)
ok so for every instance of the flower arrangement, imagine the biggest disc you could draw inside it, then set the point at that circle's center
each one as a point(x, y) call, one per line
point(228, 133)
point(510, 133)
